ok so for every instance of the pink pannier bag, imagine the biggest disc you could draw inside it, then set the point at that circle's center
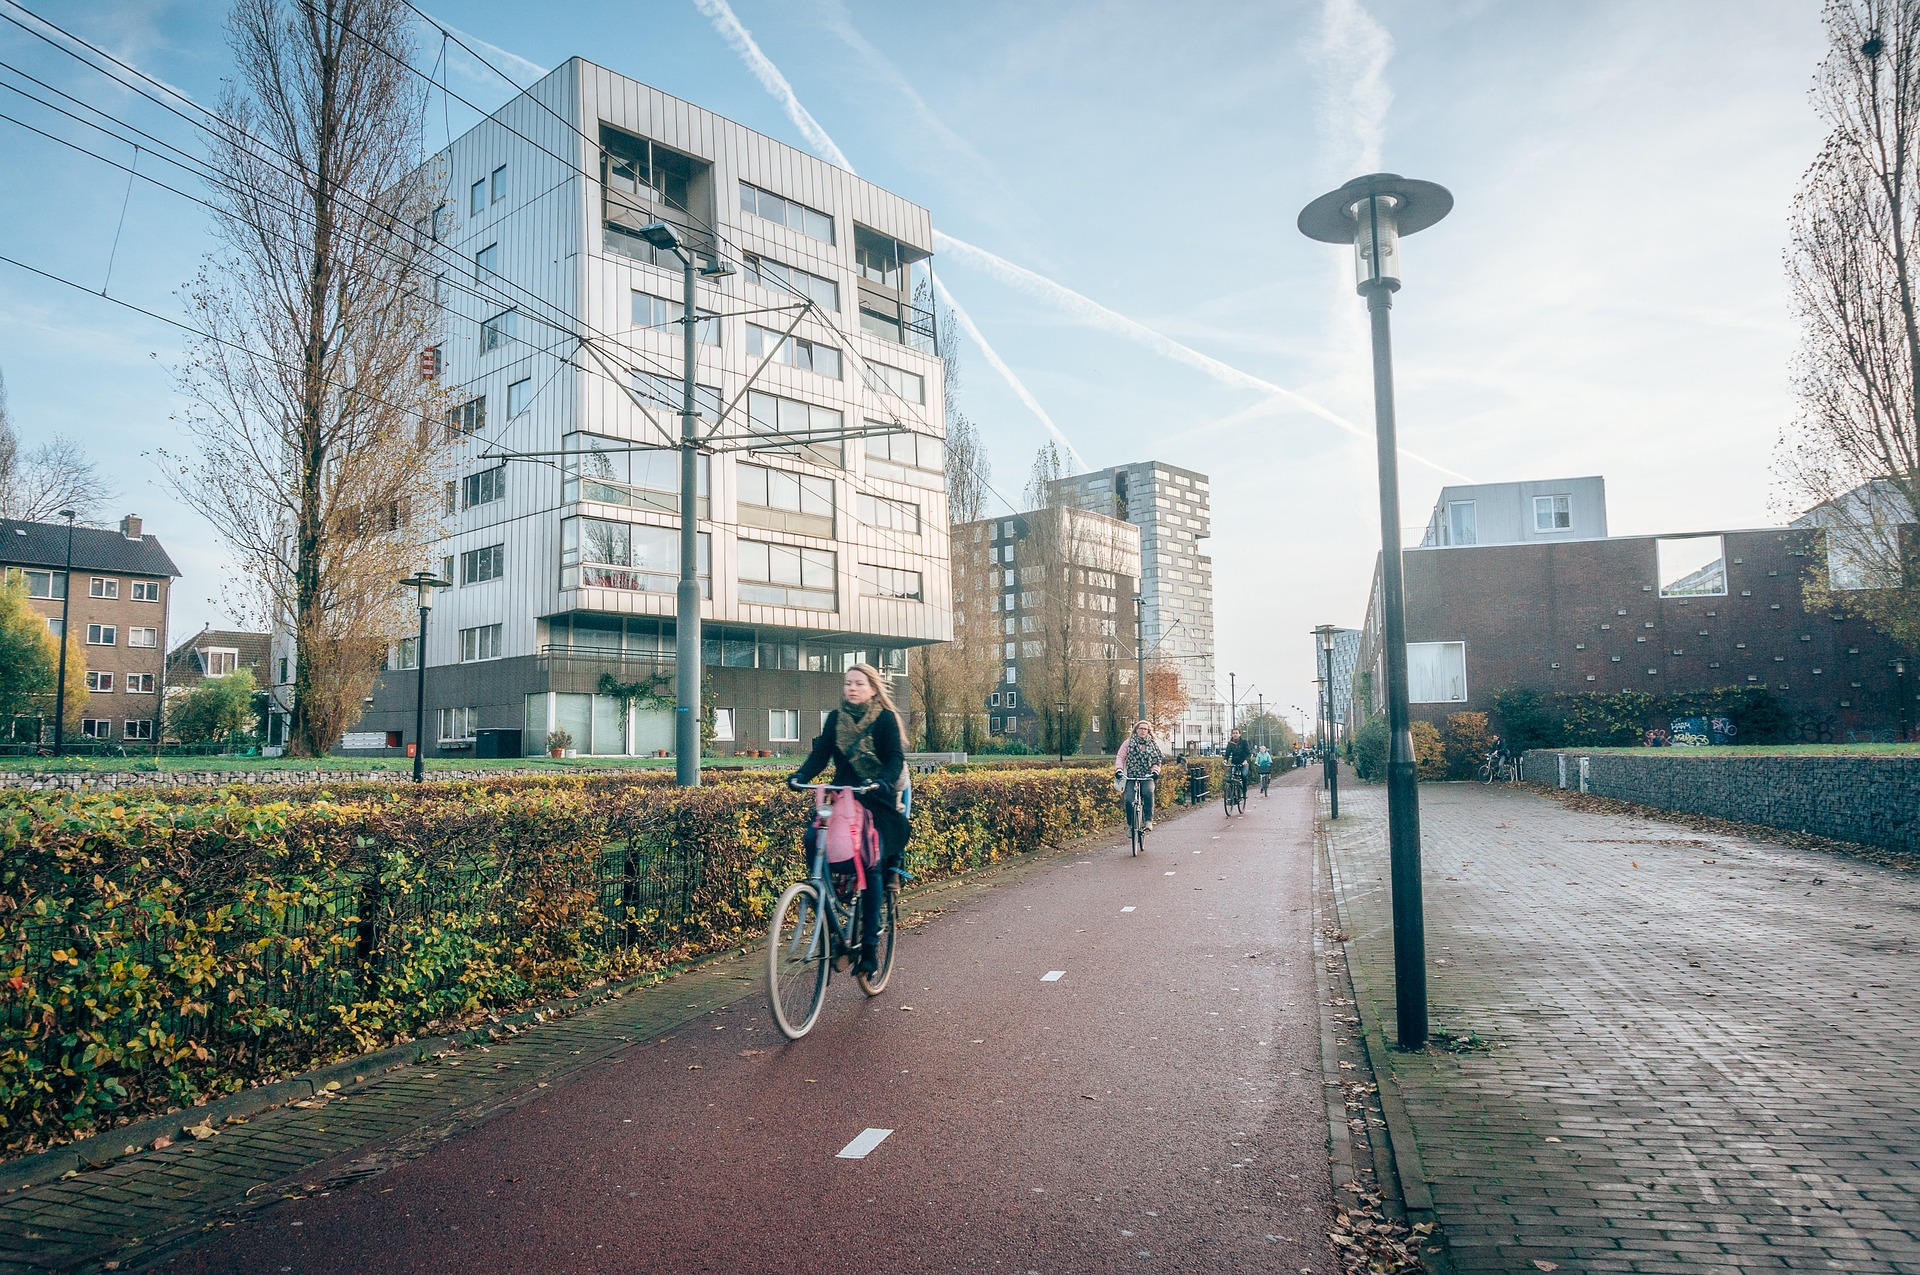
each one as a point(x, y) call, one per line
point(851, 836)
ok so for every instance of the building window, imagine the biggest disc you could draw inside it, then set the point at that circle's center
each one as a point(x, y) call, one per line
point(481, 643)
point(783, 501)
point(143, 635)
point(1011, 674)
point(46, 584)
point(993, 700)
point(1463, 525)
point(499, 185)
point(783, 725)
point(910, 386)
point(486, 261)
point(611, 471)
point(219, 661)
point(101, 683)
point(669, 394)
point(497, 331)
point(788, 576)
point(1013, 698)
point(468, 418)
point(477, 566)
point(406, 653)
point(146, 590)
point(723, 725)
point(477, 198)
point(137, 728)
point(780, 209)
point(650, 311)
point(103, 634)
point(1437, 672)
point(769, 273)
point(519, 396)
point(907, 457)
point(993, 724)
point(1552, 513)
point(890, 515)
point(100, 587)
point(96, 728)
point(769, 414)
point(1691, 566)
point(891, 582)
point(456, 724)
point(484, 487)
point(139, 683)
point(793, 351)
point(596, 553)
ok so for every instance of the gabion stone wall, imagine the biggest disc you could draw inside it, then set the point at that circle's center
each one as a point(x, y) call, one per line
point(1874, 801)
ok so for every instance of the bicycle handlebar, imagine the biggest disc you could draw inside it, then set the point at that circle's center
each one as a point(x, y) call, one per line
point(855, 789)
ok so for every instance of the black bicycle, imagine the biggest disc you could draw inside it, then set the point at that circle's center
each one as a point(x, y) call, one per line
point(1235, 793)
point(816, 929)
point(1137, 814)
point(1266, 777)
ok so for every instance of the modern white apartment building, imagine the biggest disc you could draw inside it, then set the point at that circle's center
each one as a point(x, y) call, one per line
point(1171, 507)
point(1541, 511)
point(562, 353)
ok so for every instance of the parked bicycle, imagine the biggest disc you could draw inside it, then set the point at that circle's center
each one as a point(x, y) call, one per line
point(816, 926)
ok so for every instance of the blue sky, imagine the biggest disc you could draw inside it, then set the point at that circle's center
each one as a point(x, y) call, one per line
point(1606, 298)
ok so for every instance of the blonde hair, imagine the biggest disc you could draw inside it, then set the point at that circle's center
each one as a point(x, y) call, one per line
point(878, 681)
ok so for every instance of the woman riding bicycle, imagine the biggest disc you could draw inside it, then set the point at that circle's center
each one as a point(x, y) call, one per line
point(1139, 761)
point(862, 740)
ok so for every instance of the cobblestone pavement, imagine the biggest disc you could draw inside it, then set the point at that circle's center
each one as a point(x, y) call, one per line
point(1700, 1051)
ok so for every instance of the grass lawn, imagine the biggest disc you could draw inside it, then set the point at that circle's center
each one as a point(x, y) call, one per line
point(363, 765)
point(1773, 750)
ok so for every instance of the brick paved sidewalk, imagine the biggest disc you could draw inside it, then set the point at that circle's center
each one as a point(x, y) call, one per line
point(1705, 1051)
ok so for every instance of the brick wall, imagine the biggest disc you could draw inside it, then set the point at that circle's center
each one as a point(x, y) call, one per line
point(1871, 800)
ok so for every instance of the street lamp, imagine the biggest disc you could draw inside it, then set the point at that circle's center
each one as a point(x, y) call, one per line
point(1372, 213)
point(1900, 690)
point(66, 612)
point(1060, 728)
point(423, 583)
point(1330, 767)
point(686, 624)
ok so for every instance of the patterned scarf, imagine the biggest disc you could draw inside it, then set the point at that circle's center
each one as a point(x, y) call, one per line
point(853, 733)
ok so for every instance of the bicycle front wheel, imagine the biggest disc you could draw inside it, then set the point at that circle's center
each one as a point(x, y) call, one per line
point(875, 983)
point(797, 960)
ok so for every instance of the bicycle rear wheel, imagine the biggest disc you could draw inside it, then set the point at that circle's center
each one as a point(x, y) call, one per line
point(875, 983)
point(797, 960)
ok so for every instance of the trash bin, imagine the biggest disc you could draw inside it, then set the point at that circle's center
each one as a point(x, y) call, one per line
point(496, 742)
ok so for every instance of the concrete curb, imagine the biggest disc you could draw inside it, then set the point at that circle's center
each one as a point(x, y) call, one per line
point(1408, 1169)
point(106, 1148)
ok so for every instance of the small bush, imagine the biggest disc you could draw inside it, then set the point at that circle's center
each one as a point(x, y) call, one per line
point(1429, 751)
point(1468, 740)
point(1368, 751)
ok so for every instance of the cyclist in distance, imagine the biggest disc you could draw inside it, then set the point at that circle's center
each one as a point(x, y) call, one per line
point(1139, 758)
point(862, 740)
point(1263, 762)
point(1238, 754)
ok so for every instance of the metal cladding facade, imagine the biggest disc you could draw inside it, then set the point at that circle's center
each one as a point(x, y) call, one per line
point(562, 358)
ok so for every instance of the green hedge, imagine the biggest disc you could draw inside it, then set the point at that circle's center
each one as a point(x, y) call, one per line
point(157, 952)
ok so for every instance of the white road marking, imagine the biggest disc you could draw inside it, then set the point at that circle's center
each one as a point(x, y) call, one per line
point(1126, 909)
point(1169, 874)
point(1053, 976)
point(859, 1148)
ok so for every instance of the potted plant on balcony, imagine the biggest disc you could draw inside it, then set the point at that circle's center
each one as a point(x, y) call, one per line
point(558, 742)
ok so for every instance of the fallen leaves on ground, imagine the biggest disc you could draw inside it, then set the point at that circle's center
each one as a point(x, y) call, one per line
point(1368, 1242)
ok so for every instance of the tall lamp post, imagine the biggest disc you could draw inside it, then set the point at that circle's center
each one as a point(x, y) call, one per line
point(686, 622)
point(1372, 213)
point(66, 612)
point(1060, 728)
point(1330, 765)
point(1900, 689)
point(423, 583)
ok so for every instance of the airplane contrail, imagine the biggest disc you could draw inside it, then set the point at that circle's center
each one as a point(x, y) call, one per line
point(1095, 315)
point(999, 365)
point(721, 14)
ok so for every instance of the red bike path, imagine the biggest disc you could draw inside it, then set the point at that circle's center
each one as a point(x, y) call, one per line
point(1157, 1107)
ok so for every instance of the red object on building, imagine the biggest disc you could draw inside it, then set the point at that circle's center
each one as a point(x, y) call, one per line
point(410, 748)
point(430, 363)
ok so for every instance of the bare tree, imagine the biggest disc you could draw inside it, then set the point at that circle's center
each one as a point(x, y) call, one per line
point(36, 485)
point(316, 459)
point(1854, 451)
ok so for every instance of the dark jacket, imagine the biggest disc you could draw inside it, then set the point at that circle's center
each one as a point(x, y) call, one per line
point(892, 825)
point(1238, 751)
